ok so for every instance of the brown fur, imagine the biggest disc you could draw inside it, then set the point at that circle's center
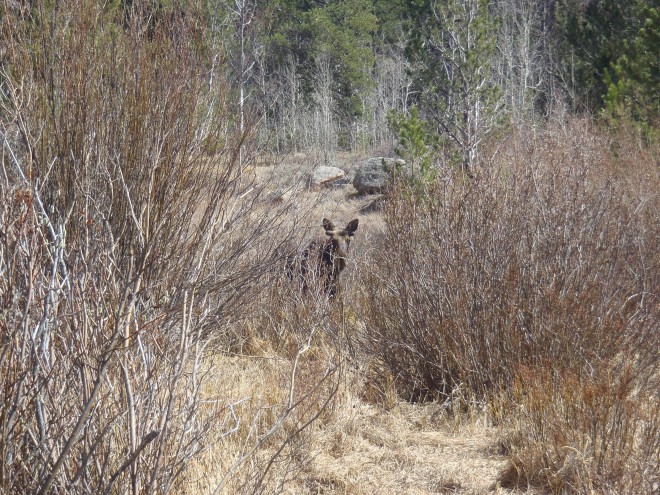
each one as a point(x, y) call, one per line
point(323, 261)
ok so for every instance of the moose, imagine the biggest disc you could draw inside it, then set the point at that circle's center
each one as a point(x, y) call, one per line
point(323, 261)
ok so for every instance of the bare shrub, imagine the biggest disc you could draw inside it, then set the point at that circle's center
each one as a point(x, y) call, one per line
point(584, 434)
point(547, 258)
point(124, 247)
point(534, 289)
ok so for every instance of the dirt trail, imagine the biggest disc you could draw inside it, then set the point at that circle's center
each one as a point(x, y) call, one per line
point(407, 450)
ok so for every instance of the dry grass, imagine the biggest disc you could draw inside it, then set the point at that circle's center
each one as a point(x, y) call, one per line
point(355, 448)
point(404, 450)
point(244, 394)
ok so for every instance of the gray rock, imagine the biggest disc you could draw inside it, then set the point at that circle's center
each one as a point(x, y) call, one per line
point(373, 174)
point(325, 176)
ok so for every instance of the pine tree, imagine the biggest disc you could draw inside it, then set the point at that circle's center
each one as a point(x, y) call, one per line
point(634, 83)
point(591, 35)
point(454, 58)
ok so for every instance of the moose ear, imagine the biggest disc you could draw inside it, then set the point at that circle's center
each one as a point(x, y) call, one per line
point(352, 226)
point(327, 224)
